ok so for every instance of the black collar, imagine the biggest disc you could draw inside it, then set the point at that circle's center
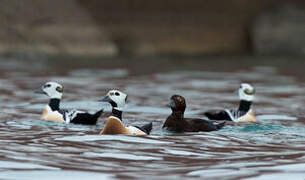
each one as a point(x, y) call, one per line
point(244, 105)
point(117, 113)
point(54, 104)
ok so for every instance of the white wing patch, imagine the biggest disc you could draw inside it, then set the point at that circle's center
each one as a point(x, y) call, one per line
point(235, 114)
point(230, 114)
point(70, 115)
point(240, 116)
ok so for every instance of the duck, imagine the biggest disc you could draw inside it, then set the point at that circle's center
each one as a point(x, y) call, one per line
point(176, 122)
point(114, 124)
point(52, 111)
point(244, 113)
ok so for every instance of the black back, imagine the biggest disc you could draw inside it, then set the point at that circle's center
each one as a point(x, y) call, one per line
point(86, 118)
point(244, 107)
point(218, 115)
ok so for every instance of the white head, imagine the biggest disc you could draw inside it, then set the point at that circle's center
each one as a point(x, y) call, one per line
point(246, 92)
point(116, 98)
point(51, 89)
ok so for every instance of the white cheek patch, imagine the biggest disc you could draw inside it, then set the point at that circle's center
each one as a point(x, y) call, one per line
point(119, 100)
point(51, 90)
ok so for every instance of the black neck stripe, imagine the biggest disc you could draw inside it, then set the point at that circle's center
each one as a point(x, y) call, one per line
point(244, 105)
point(117, 113)
point(54, 104)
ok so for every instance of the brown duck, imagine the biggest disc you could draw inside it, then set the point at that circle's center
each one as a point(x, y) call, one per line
point(178, 123)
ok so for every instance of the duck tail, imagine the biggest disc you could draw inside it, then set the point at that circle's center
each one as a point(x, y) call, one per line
point(220, 125)
point(98, 113)
point(217, 115)
point(146, 128)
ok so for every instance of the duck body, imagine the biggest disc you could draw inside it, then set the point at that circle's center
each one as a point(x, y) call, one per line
point(115, 126)
point(181, 124)
point(231, 115)
point(176, 122)
point(70, 116)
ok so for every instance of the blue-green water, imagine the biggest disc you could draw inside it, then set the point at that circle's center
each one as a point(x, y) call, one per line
point(35, 149)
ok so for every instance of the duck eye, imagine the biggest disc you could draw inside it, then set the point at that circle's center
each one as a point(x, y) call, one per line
point(117, 94)
point(47, 85)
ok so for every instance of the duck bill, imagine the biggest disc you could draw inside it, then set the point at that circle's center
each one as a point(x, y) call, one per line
point(171, 104)
point(40, 91)
point(105, 99)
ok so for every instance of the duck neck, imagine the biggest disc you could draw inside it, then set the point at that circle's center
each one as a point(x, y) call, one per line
point(244, 105)
point(117, 113)
point(178, 114)
point(54, 104)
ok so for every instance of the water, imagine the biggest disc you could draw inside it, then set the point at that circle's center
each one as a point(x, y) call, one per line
point(34, 149)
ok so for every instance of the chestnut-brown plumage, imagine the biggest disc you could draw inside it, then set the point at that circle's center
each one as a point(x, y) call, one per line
point(177, 123)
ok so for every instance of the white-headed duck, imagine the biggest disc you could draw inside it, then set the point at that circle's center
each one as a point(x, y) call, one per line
point(114, 124)
point(52, 111)
point(243, 114)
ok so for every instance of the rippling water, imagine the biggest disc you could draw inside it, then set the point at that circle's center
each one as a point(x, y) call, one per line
point(34, 149)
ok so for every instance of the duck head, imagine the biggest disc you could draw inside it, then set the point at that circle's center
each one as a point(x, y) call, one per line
point(177, 103)
point(246, 92)
point(116, 98)
point(51, 89)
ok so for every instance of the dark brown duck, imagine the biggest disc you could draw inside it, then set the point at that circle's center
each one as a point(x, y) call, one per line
point(178, 123)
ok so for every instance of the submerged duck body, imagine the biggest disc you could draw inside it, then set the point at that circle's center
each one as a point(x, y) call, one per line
point(52, 111)
point(114, 124)
point(176, 122)
point(243, 114)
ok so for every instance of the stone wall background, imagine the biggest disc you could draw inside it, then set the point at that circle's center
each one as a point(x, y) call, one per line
point(160, 27)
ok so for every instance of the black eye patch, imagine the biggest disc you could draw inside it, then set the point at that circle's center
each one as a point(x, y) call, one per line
point(117, 94)
point(47, 85)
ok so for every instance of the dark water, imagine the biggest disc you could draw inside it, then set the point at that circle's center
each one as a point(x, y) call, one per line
point(272, 149)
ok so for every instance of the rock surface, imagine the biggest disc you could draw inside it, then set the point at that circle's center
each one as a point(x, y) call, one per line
point(137, 27)
point(280, 31)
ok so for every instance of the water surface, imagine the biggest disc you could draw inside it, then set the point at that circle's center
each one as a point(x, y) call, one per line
point(34, 149)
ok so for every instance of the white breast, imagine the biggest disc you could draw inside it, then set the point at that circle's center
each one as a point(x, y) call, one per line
point(49, 115)
point(248, 117)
